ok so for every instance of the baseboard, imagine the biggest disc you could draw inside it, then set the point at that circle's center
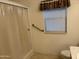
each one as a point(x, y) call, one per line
point(28, 55)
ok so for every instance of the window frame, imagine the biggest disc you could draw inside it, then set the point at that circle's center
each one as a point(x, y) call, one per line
point(59, 32)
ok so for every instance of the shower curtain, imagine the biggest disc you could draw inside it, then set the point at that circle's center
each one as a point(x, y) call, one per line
point(14, 36)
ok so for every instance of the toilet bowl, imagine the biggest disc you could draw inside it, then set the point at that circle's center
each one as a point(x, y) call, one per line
point(65, 54)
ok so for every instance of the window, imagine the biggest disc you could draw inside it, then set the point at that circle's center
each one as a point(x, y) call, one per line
point(55, 20)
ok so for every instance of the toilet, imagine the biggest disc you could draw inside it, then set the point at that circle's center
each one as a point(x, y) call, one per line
point(65, 54)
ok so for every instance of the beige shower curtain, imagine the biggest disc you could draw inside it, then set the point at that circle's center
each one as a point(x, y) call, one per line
point(14, 36)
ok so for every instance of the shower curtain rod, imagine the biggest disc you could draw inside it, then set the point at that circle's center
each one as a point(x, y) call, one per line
point(13, 3)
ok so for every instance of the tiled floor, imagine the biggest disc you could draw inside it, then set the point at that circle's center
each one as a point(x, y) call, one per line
point(42, 56)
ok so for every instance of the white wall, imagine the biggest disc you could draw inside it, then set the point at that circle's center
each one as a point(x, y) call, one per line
point(54, 43)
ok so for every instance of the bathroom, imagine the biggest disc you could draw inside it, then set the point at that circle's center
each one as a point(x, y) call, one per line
point(47, 45)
